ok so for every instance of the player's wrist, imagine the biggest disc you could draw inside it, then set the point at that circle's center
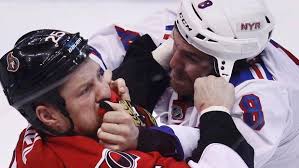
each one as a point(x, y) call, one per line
point(214, 108)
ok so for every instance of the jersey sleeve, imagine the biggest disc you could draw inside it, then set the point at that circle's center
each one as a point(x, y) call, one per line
point(188, 137)
point(144, 77)
point(113, 41)
point(216, 128)
point(218, 155)
point(261, 114)
point(161, 139)
point(109, 46)
point(31, 152)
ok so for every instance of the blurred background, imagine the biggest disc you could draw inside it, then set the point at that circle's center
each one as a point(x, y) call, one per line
point(86, 16)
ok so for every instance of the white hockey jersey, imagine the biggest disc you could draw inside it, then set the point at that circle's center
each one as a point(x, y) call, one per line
point(265, 110)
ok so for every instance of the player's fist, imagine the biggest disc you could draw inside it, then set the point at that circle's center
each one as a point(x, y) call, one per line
point(118, 85)
point(118, 131)
point(213, 91)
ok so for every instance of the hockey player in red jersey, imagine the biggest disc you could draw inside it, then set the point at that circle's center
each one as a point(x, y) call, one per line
point(57, 82)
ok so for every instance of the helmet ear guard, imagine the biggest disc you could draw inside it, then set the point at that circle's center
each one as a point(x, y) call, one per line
point(227, 30)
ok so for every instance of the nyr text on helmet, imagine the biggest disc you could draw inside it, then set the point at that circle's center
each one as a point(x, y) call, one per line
point(250, 26)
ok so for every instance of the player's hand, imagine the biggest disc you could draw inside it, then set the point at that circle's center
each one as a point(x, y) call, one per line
point(213, 91)
point(119, 85)
point(118, 131)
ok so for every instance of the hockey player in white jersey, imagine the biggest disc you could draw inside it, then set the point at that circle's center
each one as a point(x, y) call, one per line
point(229, 39)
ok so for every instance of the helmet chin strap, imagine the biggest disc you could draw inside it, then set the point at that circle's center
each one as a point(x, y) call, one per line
point(215, 67)
point(55, 99)
point(60, 103)
point(69, 132)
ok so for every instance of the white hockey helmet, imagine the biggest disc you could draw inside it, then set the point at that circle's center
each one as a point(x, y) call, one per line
point(229, 30)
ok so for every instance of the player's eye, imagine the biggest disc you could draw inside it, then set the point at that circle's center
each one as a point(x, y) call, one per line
point(86, 89)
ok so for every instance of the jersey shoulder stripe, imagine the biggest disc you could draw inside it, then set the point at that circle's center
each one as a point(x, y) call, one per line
point(255, 71)
point(168, 31)
point(259, 71)
point(126, 36)
point(288, 53)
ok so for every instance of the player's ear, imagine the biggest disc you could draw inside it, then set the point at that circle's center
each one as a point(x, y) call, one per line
point(50, 116)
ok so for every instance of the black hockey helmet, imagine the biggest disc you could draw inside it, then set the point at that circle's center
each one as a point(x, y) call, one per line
point(37, 65)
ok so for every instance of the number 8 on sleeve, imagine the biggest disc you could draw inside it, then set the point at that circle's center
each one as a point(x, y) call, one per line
point(253, 114)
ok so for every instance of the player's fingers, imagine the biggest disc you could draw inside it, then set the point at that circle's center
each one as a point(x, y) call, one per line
point(125, 94)
point(117, 117)
point(99, 131)
point(108, 138)
point(120, 87)
point(107, 76)
point(113, 147)
point(118, 83)
point(117, 129)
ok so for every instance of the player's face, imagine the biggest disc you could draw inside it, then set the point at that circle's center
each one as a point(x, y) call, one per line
point(81, 92)
point(187, 64)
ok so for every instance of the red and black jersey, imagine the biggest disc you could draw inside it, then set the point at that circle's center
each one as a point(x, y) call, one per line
point(80, 152)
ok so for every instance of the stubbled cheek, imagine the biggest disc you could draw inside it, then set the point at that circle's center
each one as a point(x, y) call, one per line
point(204, 71)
